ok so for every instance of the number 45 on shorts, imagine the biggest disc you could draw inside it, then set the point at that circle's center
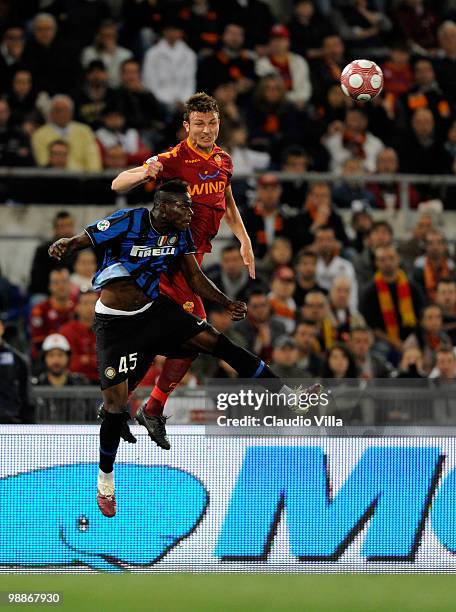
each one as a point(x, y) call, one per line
point(128, 362)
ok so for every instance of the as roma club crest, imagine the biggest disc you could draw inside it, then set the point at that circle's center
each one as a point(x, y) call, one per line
point(218, 159)
point(188, 306)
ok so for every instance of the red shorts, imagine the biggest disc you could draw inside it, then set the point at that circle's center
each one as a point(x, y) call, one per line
point(176, 288)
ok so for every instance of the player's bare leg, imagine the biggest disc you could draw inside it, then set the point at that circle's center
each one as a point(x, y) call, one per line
point(114, 401)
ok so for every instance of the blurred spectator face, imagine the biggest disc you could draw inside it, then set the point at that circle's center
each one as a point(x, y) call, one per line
point(226, 93)
point(22, 83)
point(319, 195)
point(59, 285)
point(338, 362)
point(107, 36)
point(97, 77)
point(233, 37)
point(355, 121)
point(336, 97)
point(231, 263)
point(14, 41)
point(203, 128)
point(58, 155)
point(287, 355)
point(362, 222)
point(411, 356)
point(400, 57)
point(269, 191)
point(333, 48)
point(295, 163)
point(44, 30)
point(56, 361)
point(431, 320)
point(447, 38)
point(451, 135)
point(114, 121)
point(380, 236)
point(64, 227)
point(306, 267)
point(281, 251)
point(239, 137)
point(339, 294)
point(279, 45)
point(61, 112)
point(85, 264)
point(387, 261)
point(423, 226)
point(304, 336)
point(315, 306)
point(436, 248)
point(387, 161)
point(85, 308)
point(446, 296)
point(424, 73)
point(446, 364)
point(258, 308)
point(130, 76)
point(172, 34)
point(325, 242)
point(221, 320)
point(5, 113)
point(273, 90)
point(115, 157)
point(351, 167)
point(361, 343)
point(423, 123)
point(283, 284)
point(304, 11)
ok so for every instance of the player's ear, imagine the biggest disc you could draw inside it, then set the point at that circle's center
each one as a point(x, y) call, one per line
point(186, 125)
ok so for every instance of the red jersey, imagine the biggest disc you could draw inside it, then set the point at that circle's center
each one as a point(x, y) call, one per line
point(207, 175)
point(83, 349)
point(47, 317)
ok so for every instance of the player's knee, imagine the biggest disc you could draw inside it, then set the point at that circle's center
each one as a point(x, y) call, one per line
point(115, 398)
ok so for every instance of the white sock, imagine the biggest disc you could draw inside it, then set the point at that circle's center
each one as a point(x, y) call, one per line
point(106, 482)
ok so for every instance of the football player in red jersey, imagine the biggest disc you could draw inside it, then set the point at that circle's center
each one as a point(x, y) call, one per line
point(207, 169)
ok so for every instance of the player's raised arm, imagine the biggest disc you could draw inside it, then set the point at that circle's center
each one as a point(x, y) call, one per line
point(205, 288)
point(236, 224)
point(65, 246)
point(129, 179)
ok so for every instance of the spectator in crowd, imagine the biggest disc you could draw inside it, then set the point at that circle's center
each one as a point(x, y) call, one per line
point(446, 298)
point(231, 115)
point(106, 50)
point(433, 265)
point(280, 253)
point(114, 132)
point(14, 143)
point(446, 61)
point(81, 337)
point(360, 225)
point(317, 212)
point(48, 316)
point(169, 68)
point(446, 364)
point(339, 363)
point(348, 190)
point(231, 62)
point(379, 235)
point(63, 226)
point(370, 364)
point(327, 70)
point(85, 266)
point(360, 25)
point(352, 139)
point(387, 195)
point(343, 317)
point(410, 365)
point(281, 301)
point(391, 302)
point(53, 64)
point(295, 160)
point(397, 73)
point(316, 309)
point(56, 352)
point(265, 220)
point(292, 67)
point(11, 54)
point(94, 96)
point(330, 264)
point(16, 405)
point(81, 19)
point(22, 98)
point(429, 336)
point(255, 12)
point(246, 161)
point(306, 340)
point(415, 246)
point(232, 276)
point(285, 358)
point(306, 279)
point(58, 154)
point(260, 328)
point(201, 21)
point(84, 154)
point(307, 28)
point(417, 23)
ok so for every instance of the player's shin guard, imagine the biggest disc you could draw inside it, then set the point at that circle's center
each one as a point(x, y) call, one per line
point(174, 370)
point(110, 429)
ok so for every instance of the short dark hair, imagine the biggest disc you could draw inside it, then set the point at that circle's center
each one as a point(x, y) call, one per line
point(256, 291)
point(171, 188)
point(60, 142)
point(62, 214)
point(377, 224)
point(446, 280)
point(305, 252)
point(304, 321)
point(230, 247)
point(200, 102)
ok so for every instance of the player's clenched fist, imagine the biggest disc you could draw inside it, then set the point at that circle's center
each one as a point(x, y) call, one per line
point(151, 168)
point(59, 249)
point(237, 310)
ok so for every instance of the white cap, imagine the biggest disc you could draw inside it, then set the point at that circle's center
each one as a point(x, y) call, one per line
point(56, 341)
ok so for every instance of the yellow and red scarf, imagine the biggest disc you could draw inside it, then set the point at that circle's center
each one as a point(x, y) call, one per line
point(406, 311)
point(432, 277)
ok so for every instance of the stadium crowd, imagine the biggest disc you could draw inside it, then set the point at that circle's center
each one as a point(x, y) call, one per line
point(87, 85)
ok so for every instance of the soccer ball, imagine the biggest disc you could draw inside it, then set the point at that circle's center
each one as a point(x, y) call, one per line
point(361, 80)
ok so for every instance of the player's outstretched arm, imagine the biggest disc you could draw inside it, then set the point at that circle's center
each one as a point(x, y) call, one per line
point(206, 289)
point(236, 224)
point(59, 249)
point(129, 179)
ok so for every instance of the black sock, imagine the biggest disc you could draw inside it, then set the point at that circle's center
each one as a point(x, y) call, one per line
point(109, 439)
point(246, 363)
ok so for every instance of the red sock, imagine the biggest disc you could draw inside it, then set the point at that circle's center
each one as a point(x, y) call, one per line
point(173, 372)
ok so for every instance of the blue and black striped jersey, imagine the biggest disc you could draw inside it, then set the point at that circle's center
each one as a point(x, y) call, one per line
point(131, 247)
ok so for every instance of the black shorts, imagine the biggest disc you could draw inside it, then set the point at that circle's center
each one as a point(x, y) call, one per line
point(127, 345)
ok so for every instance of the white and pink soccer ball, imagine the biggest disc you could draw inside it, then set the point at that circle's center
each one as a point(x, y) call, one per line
point(361, 80)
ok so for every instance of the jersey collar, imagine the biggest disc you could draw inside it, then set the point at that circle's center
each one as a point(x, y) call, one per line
point(200, 153)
